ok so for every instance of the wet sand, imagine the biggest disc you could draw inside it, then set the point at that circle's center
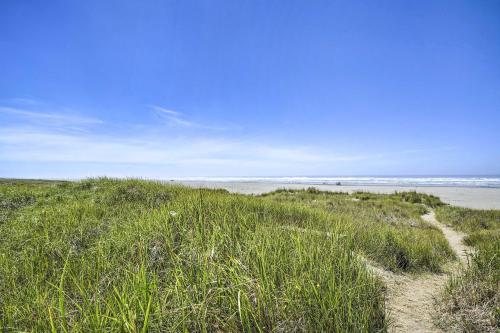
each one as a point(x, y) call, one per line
point(471, 197)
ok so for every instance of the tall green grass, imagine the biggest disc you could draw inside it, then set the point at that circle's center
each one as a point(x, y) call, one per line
point(472, 298)
point(386, 228)
point(134, 256)
point(482, 226)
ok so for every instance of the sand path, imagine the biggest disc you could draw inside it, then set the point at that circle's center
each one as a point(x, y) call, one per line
point(410, 299)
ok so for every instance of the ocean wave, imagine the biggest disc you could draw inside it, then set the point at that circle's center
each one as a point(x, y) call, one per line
point(365, 180)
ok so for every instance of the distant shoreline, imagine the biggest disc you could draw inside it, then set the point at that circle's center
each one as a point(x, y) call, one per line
point(463, 196)
point(491, 181)
point(470, 197)
point(468, 181)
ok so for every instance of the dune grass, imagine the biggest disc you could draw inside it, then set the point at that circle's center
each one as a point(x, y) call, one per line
point(472, 298)
point(481, 226)
point(137, 256)
point(386, 228)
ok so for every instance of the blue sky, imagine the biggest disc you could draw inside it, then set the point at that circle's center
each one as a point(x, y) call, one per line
point(166, 89)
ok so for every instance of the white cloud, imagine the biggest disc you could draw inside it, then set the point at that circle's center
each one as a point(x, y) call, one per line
point(50, 138)
point(27, 144)
point(49, 118)
point(23, 101)
point(173, 117)
point(165, 111)
point(178, 119)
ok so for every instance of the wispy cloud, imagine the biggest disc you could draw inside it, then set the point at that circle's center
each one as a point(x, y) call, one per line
point(23, 101)
point(173, 117)
point(36, 145)
point(49, 117)
point(161, 110)
point(162, 155)
point(179, 119)
point(49, 137)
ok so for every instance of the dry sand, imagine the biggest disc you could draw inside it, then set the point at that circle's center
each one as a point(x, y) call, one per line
point(411, 299)
point(471, 197)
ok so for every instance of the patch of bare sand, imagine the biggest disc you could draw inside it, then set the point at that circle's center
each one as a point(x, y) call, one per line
point(470, 197)
point(411, 299)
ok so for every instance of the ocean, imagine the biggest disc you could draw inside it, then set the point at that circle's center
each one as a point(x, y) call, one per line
point(447, 181)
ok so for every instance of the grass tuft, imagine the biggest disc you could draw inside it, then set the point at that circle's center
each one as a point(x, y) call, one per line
point(471, 302)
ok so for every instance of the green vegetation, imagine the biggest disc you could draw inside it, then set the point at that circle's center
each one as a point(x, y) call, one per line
point(411, 197)
point(387, 228)
point(482, 226)
point(472, 298)
point(110, 255)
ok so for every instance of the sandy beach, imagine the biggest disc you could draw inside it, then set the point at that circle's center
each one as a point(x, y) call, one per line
point(471, 197)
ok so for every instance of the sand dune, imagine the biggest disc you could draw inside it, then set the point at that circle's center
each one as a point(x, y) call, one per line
point(471, 197)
